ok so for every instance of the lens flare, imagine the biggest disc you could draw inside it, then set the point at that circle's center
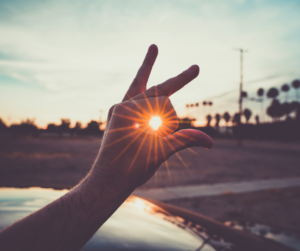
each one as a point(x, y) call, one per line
point(155, 122)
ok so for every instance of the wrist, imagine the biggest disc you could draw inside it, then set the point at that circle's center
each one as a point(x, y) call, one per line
point(107, 182)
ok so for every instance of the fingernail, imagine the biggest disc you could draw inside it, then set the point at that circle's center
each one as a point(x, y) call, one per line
point(192, 68)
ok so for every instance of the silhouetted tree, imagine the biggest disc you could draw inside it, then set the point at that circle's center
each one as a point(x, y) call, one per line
point(272, 93)
point(52, 128)
point(247, 113)
point(185, 123)
point(226, 116)
point(285, 88)
point(287, 108)
point(25, 127)
point(217, 117)
point(3, 126)
point(296, 85)
point(295, 107)
point(204, 103)
point(257, 119)
point(236, 118)
point(275, 110)
point(93, 128)
point(78, 125)
point(208, 118)
point(64, 126)
point(260, 92)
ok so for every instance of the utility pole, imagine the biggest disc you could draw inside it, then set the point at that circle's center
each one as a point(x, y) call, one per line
point(241, 97)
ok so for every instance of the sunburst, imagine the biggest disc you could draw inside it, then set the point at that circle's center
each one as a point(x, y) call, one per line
point(156, 124)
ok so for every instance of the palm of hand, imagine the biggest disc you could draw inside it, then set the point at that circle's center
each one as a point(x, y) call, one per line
point(131, 149)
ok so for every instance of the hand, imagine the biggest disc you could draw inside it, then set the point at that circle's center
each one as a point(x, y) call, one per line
point(131, 150)
point(130, 153)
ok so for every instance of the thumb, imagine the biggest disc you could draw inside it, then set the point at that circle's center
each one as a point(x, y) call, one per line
point(186, 138)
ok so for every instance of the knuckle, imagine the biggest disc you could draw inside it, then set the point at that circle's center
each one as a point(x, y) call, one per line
point(111, 109)
point(117, 108)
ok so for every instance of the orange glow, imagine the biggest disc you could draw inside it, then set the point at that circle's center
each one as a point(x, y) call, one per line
point(150, 128)
point(155, 122)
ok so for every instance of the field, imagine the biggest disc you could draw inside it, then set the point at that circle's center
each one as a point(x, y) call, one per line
point(63, 162)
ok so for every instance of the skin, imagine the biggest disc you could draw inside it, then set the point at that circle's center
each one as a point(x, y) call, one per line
point(130, 153)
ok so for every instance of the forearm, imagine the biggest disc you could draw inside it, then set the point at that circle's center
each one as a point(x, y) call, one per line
point(68, 222)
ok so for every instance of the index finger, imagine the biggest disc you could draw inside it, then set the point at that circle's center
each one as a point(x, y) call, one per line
point(172, 85)
point(140, 81)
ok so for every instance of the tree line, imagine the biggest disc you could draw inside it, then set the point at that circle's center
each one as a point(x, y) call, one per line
point(28, 126)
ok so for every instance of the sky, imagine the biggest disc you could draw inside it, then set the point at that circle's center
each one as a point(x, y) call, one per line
point(74, 59)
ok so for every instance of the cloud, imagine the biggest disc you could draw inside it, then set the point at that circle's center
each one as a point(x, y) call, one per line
point(94, 48)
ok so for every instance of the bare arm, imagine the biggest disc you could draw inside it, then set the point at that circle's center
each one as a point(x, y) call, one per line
point(130, 154)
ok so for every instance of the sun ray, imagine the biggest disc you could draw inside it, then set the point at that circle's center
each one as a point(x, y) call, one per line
point(171, 118)
point(128, 145)
point(168, 113)
point(163, 132)
point(166, 128)
point(168, 142)
point(185, 136)
point(192, 151)
point(148, 103)
point(177, 140)
point(138, 106)
point(182, 161)
point(142, 109)
point(132, 110)
point(155, 149)
point(156, 98)
point(138, 151)
point(165, 158)
point(149, 152)
point(131, 118)
point(177, 154)
point(120, 129)
point(120, 139)
point(163, 108)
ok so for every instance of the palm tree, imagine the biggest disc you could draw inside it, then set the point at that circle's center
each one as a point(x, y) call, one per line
point(260, 94)
point(285, 88)
point(247, 114)
point(208, 118)
point(217, 117)
point(275, 110)
point(287, 109)
point(257, 119)
point(236, 118)
point(295, 106)
point(226, 116)
point(272, 93)
point(296, 85)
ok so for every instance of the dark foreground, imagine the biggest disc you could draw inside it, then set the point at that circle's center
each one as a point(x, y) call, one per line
point(63, 162)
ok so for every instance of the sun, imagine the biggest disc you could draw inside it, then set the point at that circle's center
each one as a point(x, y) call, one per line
point(155, 122)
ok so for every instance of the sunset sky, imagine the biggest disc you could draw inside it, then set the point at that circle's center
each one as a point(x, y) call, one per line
point(71, 59)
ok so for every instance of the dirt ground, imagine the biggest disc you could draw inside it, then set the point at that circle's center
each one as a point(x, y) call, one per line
point(274, 207)
point(63, 162)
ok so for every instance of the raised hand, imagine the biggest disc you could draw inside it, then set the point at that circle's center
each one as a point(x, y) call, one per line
point(132, 150)
point(130, 153)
